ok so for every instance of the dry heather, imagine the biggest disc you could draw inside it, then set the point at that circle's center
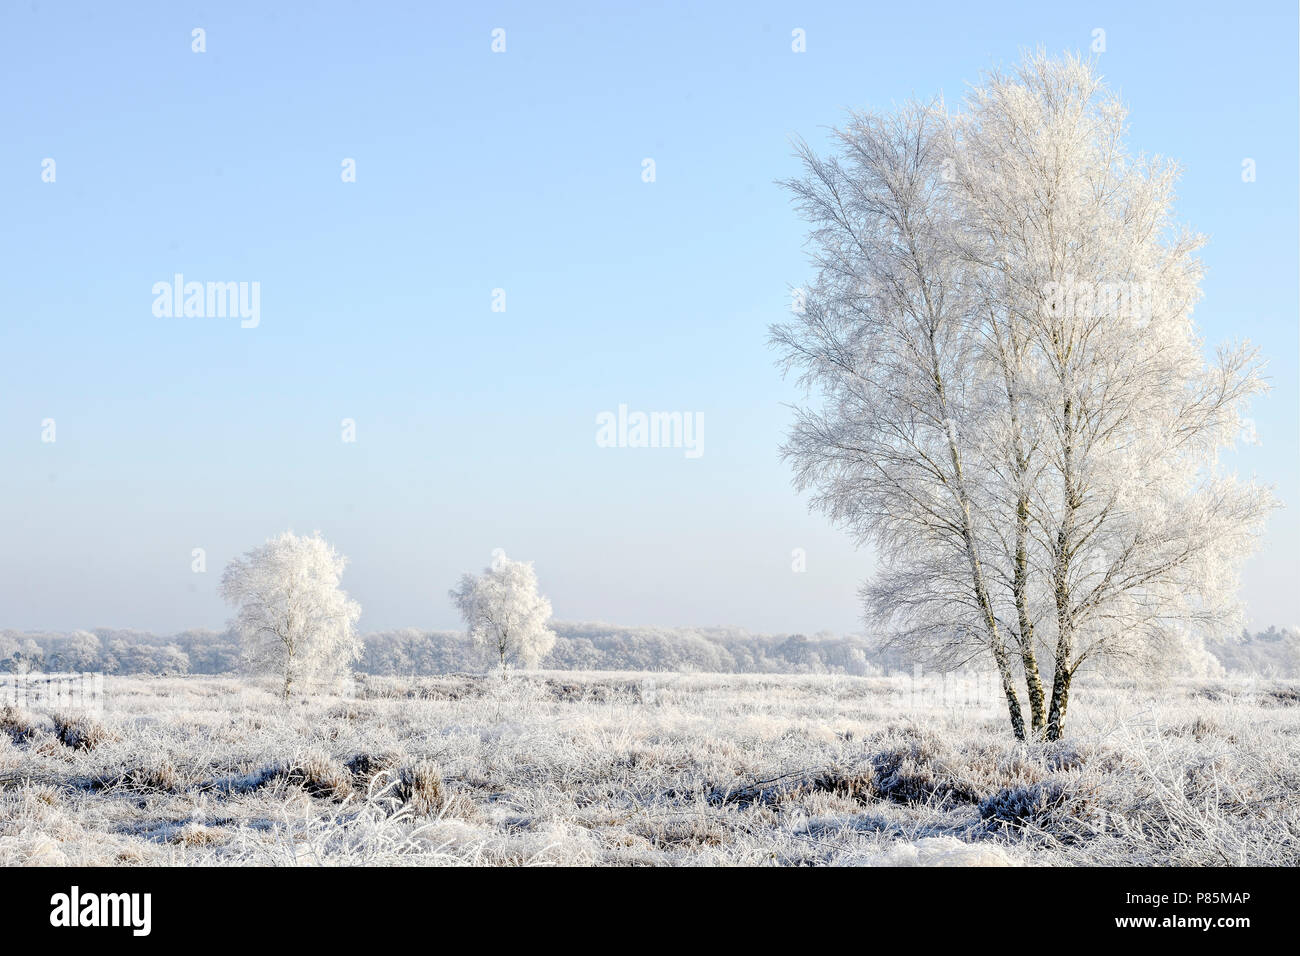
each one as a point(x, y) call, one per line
point(587, 768)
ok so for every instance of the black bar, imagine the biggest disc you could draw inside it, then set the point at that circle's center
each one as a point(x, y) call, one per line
point(345, 906)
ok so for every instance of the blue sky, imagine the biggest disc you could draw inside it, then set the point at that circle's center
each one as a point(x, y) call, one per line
point(522, 171)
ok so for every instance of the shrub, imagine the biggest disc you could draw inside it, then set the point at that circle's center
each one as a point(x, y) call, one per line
point(366, 766)
point(319, 774)
point(80, 732)
point(916, 774)
point(421, 788)
point(160, 776)
point(1051, 806)
point(16, 724)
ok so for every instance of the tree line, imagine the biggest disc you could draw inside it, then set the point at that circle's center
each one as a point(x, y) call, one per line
point(579, 646)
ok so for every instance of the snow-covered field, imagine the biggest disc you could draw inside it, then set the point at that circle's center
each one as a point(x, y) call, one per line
point(621, 768)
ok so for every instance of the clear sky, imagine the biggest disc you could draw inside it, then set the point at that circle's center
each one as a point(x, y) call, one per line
point(519, 171)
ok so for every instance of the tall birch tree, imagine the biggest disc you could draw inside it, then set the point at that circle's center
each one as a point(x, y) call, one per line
point(884, 338)
point(1015, 406)
point(1139, 528)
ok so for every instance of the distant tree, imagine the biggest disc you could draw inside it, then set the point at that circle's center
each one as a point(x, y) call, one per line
point(796, 650)
point(79, 651)
point(169, 661)
point(293, 619)
point(21, 656)
point(116, 653)
point(1270, 653)
point(504, 612)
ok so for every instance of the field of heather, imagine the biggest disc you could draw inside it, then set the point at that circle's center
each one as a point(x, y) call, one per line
point(650, 769)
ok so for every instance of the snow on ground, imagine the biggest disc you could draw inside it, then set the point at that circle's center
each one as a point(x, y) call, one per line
point(624, 768)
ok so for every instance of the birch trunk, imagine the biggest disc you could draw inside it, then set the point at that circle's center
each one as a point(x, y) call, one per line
point(1020, 588)
point(1065, 622)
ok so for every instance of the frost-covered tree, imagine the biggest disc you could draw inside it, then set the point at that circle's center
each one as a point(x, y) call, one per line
point(79, 651)
point(20, 655)
point(885, 336)
point(1015, 405)
point(293, 618)
point(1089, 285)
point(504, 612)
